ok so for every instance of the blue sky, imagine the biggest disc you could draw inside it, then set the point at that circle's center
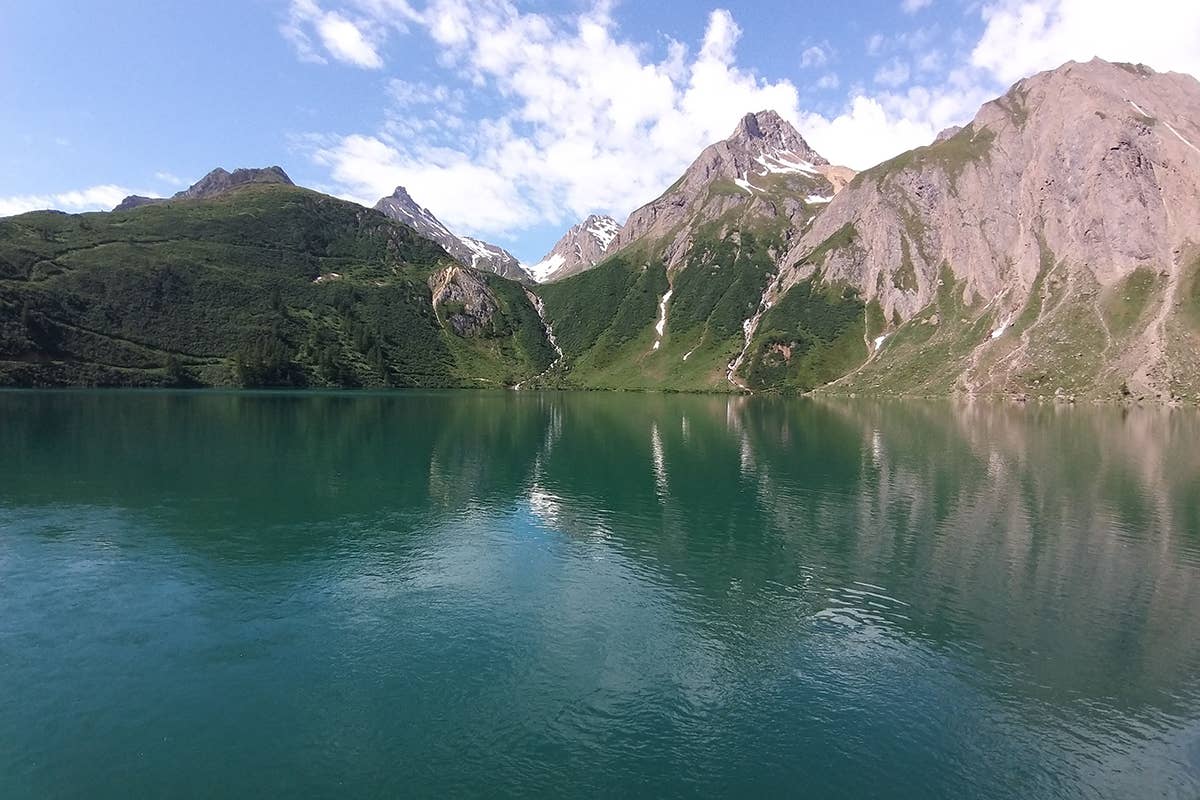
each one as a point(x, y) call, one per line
point(510, 120)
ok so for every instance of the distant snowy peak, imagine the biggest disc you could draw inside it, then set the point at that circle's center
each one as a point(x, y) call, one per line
point(581, 248)
point(603, 230)
point(468, 251)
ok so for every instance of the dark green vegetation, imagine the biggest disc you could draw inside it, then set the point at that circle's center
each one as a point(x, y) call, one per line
point(605, 318)
point(263, 286)
point(813, 335)
point(600, 310)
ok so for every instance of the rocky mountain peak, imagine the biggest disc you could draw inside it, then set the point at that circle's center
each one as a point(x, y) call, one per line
point(765, 169)
point(581, 248)
point(215, 183)
point(475, 253)
point(768, 133)
point(401, 195)
point(220, 181)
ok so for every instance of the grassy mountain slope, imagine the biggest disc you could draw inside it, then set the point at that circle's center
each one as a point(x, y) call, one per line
point(716, 261)
point(266, 285)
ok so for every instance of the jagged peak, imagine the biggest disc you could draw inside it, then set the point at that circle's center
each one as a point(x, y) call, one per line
point(216, 182)
point(767, 131)
point(221, 180)
point(401, 193)
point(272, 174)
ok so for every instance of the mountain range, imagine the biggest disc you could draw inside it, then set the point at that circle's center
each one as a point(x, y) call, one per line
point(1049, 248)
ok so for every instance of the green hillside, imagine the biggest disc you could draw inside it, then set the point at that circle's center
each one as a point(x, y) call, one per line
point(262, 286)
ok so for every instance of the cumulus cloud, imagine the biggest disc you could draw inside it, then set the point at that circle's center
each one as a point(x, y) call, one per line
point(346, 42)
point(591, 123)
point(93, 198)
point(913, 6)
point(1026, 36)
point(352, 36)
point(814, 56)
point(583, 119)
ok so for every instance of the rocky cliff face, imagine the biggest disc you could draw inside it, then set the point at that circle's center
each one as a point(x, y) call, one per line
point(580, 249)
point(463, 300)
point(470, 252)
point(1050, 246)
point(215, 183)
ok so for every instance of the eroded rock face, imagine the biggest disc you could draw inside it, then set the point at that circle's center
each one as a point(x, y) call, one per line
point(1064, 187)
point(220, 181)
point(137, 201)
point(463, 300)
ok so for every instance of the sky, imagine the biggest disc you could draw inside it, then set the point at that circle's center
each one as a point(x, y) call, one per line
point(509, 120)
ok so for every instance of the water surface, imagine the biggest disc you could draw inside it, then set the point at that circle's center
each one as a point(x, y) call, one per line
point(498, 594)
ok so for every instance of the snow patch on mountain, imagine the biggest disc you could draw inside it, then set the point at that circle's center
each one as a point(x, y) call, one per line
point(784, 162)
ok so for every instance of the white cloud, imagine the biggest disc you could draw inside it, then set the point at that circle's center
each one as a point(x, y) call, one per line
point(1026, 36)
point(590, 123)
point(352, 37)
point(93, 198)
point(893, 73)
point(170, 178)
point(877, 127)
point(459, 191)
point(814, 56)
point(913, 6)
point(346, 42)
point(583, 119)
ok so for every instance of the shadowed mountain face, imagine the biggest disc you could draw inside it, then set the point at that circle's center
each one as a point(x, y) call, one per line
point(688, 575)
point(469, 252)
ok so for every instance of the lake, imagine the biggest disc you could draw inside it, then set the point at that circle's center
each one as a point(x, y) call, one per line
point(503, 594)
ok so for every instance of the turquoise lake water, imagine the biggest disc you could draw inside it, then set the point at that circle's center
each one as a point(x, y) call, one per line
point(595, 595)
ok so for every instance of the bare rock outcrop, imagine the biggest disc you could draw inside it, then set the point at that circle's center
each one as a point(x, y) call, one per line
point(463, 300)
point(1054, 196)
